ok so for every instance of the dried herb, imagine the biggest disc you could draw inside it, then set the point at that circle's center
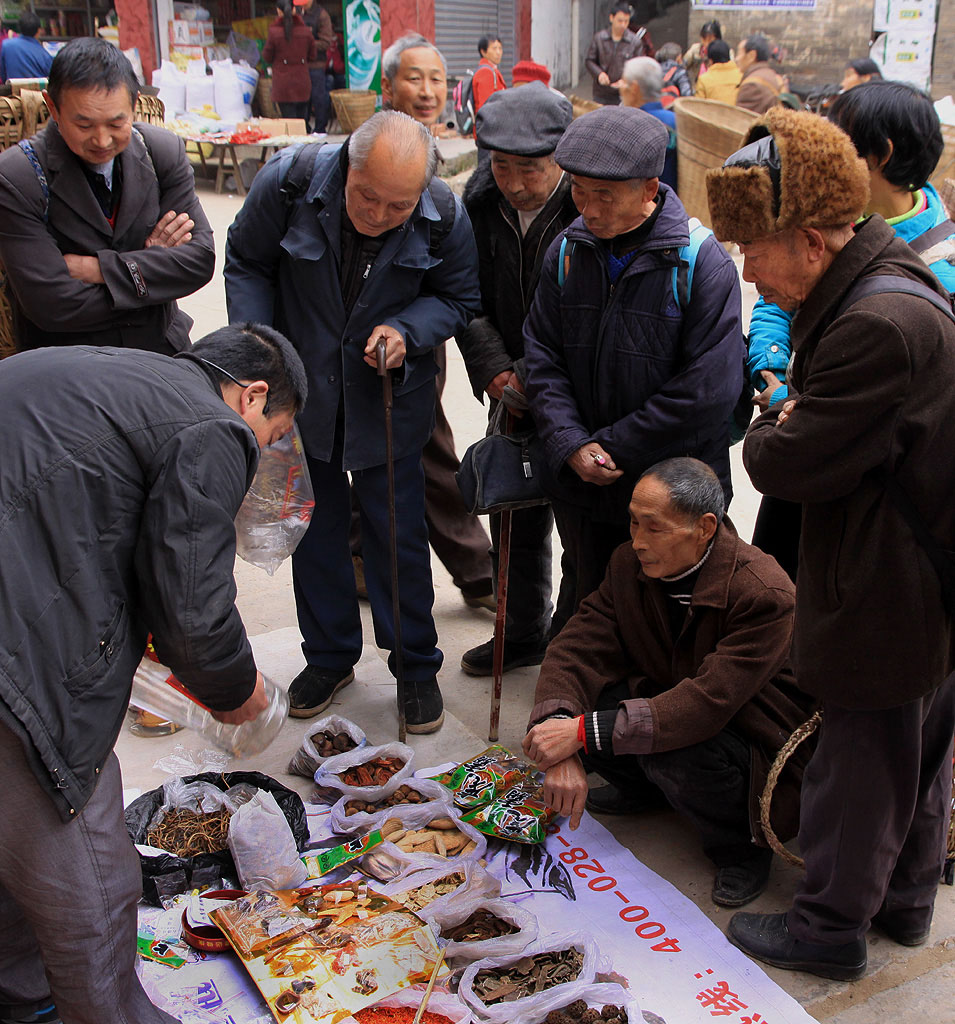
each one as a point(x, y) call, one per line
point(419, 897)
point(481, 925)
point(527, 976)
point(577, 1013)
point(186, 833)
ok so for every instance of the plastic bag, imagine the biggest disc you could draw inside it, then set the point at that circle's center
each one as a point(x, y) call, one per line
point(331, 787)
point(165, 874)
point(242, 48)
point(228, 92)
point(171, 83)
point(263, 846)
point(200, 91)
point(198, 797)
point(478, 883)
point(388, 861)
point(192, 762)
point(276, 512)
point(248, 80)
point(441, 1002)
point(362, 821)
point(541, 1003)
point(596, 996)
point(306, 760)
point(455, 913)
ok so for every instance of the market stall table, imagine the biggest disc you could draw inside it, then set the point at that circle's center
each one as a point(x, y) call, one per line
point(221, 148)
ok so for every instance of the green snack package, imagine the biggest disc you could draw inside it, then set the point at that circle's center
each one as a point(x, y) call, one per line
point(482, 778)
point(518, 814)
point(162, 952)
point(321, 863)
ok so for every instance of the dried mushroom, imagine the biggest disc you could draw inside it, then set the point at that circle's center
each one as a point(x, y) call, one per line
point(527, 976)
point(481, 925)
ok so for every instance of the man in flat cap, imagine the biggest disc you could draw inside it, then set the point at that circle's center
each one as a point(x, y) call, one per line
point(633, 345)
point(859, 444)
point(518, 202)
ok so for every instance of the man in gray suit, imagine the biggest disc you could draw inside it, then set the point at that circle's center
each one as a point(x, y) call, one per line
point(100, 227)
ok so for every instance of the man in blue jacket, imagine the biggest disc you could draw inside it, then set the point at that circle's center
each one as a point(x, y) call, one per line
point(372, 249)
point(23, 56)
point(633, 354)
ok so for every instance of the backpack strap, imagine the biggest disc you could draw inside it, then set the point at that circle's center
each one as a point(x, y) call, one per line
point(27, 146)
point(142, 138)
point(891, 283)
point(298, 175)
point(940, 233)
point(683, 272)
point(563, 261)
point(443, 199)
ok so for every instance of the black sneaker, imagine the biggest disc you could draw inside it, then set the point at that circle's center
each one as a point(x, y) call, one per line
point(12, 1015)
point(424, 708)
point(738, 884)
point(313, 688)
point(767, 937)
point(479, 661)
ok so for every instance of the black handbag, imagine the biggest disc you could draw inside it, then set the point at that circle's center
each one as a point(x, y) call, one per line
point(501, 471)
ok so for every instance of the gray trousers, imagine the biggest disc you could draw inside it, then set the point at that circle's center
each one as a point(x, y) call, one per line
point(68, 895)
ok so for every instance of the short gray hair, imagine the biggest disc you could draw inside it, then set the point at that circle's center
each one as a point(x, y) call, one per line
point(648, 74)
point(391, 58)
point(695, 489)
point(406, 137)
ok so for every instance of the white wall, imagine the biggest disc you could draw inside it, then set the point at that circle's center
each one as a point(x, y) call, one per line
point(553, 37)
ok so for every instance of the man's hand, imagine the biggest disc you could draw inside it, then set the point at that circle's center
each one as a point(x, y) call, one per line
point(84, 268)
point(552, 741)
point(394, 347)
point(603, 78)
point(252, 708)
point(594, 465)
point(565, 789)
point(763, 398)
point(786, 412)
point(501, 381)
point(173, 229)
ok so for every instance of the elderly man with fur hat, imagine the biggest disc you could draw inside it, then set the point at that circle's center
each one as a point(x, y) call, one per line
point(518, 202)
point(861, 444)
point(633, 344)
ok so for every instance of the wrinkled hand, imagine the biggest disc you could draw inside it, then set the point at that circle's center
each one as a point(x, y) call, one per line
point(173, 229)
point(584, 463)
point(603, 78)
point(764, 397)
point(552, 741)
point(252, 708)
point(786, 411)
point(497, 385)
point(394, 347)
point(84, 268)
point(565, 789)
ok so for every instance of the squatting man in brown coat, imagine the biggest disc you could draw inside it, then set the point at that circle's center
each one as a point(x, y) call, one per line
point(864, 444)
point(672, 681)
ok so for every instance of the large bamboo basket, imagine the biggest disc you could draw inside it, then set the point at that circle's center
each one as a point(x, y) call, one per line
point(353, 107)
point(707, 132)
point(582, 106)
point(149, 110)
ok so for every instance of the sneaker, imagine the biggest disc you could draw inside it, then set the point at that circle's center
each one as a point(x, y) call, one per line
point(47, 1015)
point(424, 708)
point(479, 661)
point(739, 884)
point(486, 601)
point(767, 937)
point(313, 688)
point(610, 800)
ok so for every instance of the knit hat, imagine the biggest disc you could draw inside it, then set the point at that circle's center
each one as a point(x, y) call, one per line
point(614, 143)
point(528, 71)
point(525, 122)
point(796, 170)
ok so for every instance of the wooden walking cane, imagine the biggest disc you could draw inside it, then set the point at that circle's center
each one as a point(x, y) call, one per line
point(500, 625)
point(381, 355)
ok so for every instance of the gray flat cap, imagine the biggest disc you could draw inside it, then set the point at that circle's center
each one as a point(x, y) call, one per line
point(615, 143)
point(527, 121)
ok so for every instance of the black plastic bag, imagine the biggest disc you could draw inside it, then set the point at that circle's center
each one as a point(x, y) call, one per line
point(167, 875)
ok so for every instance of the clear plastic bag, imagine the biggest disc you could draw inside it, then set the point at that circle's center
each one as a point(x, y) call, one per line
point(330, 787)
point(192, 762)
point(478, 883)
point(452, 914)
point(276, 512)
point(431, 792)
point(263, 847)
point(197, 797)
point(306, 760)
point(596, 996)
point(541, 1003)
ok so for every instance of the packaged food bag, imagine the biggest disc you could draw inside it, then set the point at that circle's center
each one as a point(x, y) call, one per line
point(263, 846)
point(306, 760)
point(519, 814)
point(348, 819)
point(480, 779)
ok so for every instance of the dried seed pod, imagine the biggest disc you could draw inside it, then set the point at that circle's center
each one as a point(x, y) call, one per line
point(576, 1008)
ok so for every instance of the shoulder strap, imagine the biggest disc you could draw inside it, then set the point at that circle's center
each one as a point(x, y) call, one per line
point(683, 272)
point(563, 261)
point(299, 174)
point(27, 146)
point(142, 138)
point(443, 199)
point(892, 283)
point(923, 242)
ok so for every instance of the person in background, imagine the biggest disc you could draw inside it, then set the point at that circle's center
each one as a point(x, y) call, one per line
point(641, 86)
point(722, 78)
point(610, 49)
point(858, 72)
point(525, 71)
point(695, 58)
point(676, 81)
point(518, 205)
point(487, 78)
point(335, 77)
point(320, 25)
point(290, 48)
point(760, 86)
point(23, 56)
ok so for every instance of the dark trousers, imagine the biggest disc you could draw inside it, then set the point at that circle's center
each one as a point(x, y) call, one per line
point(529, 584)
point(324, 577)
point(776, 531)
point(319, 100)
point(68, 896)
point(291, 110)
point(876, 800)
point(587, 547)
point(708, 783)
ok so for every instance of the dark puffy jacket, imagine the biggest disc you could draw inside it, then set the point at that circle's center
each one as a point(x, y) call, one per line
point(509, 269)
point(626, 367)
point(122, 474)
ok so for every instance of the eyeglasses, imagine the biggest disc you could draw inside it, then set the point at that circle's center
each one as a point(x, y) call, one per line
point(235, 380)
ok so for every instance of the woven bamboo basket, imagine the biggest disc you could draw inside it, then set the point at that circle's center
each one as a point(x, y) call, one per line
point(262, 103)
point(707, 132)
point(150, 110)
point(353, 107)
point(582, 106)
point(11, 121)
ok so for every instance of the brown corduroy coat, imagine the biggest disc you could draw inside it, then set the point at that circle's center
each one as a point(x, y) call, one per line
point(728, 667)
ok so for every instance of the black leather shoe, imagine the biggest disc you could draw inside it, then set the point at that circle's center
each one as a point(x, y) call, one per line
point(900, 927)
point(479, 661)
point(766, 937)
point(738, 884)
point(610, 800)
point(424, 707)
point(313, 688)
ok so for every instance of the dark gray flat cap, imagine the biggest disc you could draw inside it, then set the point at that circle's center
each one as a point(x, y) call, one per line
point(527, 121)
point(615, 143)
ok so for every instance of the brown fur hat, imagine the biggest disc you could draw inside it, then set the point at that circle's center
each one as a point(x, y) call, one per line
point(822, 181)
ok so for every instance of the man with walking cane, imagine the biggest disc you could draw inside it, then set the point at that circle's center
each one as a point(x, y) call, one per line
point(370, 248)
